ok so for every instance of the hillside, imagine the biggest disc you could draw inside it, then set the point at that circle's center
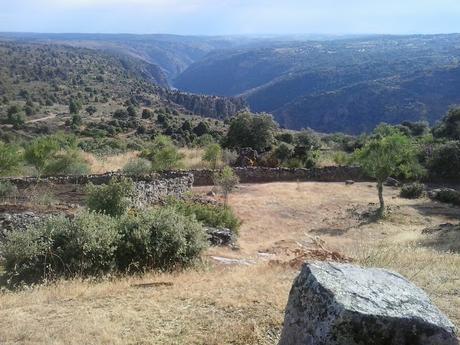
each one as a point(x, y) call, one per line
point(313, 84)
point(52, 74)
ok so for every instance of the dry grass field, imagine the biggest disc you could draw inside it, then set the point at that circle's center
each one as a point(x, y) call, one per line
point(243, 304)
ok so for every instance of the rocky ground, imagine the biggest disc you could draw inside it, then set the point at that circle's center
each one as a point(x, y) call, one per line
point(238, 296)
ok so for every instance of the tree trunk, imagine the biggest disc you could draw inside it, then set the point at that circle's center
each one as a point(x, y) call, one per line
point(382, 202)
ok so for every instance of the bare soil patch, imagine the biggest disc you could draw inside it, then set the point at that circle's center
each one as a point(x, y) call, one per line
point(244, 304)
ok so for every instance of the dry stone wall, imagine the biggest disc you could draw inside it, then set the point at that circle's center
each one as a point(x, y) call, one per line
point(266, 175)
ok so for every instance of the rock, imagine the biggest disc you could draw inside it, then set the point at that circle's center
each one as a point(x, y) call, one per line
point(211, 193)
point(220, 237)
point(342, 304)
point(391, 182)
point(349, 182)
point(232, 262)
point(247, 158)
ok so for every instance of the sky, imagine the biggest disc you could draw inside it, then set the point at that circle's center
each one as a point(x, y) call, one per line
point(225, 17)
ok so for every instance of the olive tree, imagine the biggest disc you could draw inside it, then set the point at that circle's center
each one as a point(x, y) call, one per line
point(213, 155)
point(385, 156)
point(226, 180)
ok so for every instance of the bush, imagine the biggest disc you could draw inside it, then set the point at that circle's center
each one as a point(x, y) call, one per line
point(10, 159)
point(213, 155)
point(161, 239)
point(226, 180)
point(412, 190)
point(83, 246)
point(69, 162)
point(163, 154)
point(449, 196)
point(112, 199)
point(209, 215)
point(137, 166)
point(444, 161)
point(8, 189)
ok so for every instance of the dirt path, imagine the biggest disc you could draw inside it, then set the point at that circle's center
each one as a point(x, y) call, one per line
point(49, 117)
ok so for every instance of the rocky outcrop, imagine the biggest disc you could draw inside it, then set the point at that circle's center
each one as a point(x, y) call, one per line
point(342, 304)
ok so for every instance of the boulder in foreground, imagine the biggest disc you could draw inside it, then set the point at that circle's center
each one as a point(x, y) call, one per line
point(343, 304)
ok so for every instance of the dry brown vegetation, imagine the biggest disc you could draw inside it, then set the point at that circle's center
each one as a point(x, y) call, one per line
point(244, 304)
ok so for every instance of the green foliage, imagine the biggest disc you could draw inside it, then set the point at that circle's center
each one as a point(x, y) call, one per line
point(449, 126)
point(16, 119)
point(112, 199)
point(201, 129)
point(341, 158)
point(391, 155)
point(444, 161)
point(91, 109)
point(83, 246)
point(383, 157)
point(213, 155)
point(229, 157)
point(147, 114)
point(284, 152)
point(251, 130)
point(209, 215)
point(449, 196)
point(8, 189)
point(138, 166)
point(68, 162)
point(163, 154)
point(39, 152)
point(413, 190)
point(226, 180)
point(161, 238)
point(75, 106)
point(10, 159)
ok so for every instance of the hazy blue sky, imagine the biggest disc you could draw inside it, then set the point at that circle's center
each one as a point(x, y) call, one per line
point(213, 17)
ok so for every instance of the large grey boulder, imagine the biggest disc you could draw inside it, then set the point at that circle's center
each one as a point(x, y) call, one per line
point(343, 304)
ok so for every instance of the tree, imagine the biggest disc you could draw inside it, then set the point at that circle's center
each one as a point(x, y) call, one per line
point(284, 151)
point(249, 130)
point(74, 106)
point(10, 159)
point(40, 151)
point(131, 110)
point(91, 110)
point(201, 128)
point(163, 154)
point(226, 180)
point(213, 155)
point(449, 127)
point(387, 156)
point(147, 114)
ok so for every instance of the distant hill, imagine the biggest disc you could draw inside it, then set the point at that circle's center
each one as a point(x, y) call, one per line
point(338, 85)
point(53, 74)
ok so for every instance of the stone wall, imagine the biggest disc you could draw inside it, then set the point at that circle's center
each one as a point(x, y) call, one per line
point(149, 188)
point(265, 175)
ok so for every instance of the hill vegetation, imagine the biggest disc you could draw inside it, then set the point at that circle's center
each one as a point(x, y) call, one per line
point(344, 85)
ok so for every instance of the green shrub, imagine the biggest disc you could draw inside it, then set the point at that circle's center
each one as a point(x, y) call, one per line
point(112, 199)
point(70, 162)
point(226, 180)
point(413, 190)
point(8, 189)
point(449, 196)
point(209, 215)
point(444, 161)
point(161, 238)
point(84, 246)
point(10, 159)
point(213, 155)
point(138, 166)
point(163, 154)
